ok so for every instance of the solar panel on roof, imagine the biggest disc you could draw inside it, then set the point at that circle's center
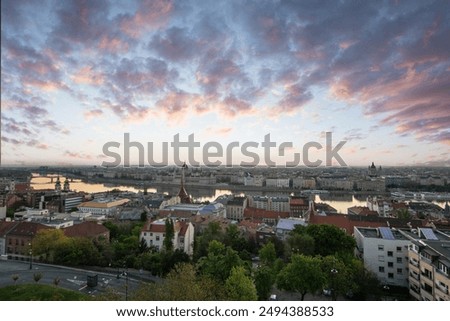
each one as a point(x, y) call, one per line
point(429, 234)
point(386, 233)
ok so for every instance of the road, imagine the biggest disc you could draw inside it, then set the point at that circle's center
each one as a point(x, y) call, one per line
point(70, 278)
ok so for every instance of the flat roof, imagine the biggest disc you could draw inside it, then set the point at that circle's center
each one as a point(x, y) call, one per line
point(375, 233)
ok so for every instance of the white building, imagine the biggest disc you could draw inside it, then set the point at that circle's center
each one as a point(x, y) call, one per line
point(278, 182)
point(107, 207)
point(273, 203)
point(304, 183)
point(385, 253)
point(254, 180)
point(280, 204)
point(154, 232)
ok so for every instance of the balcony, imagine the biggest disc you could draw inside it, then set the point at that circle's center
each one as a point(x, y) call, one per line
point(414, 262)
point(441, 288)
point(425, 259)
point(415, 289)
point(442, 273)
point(426, 288)
point(414, 275)
point(428, 276)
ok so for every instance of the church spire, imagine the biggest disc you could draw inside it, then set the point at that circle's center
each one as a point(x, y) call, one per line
point(184, 196)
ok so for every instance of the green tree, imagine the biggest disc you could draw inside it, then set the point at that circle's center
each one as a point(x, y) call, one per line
point(234, 239)
point(267, 254)
point(330, 240)
point(239, 286)
point(403, 214)
point(264, 281)
point(219, 261)
point(339, 278)
point(46, 243)
point(113, 229)
point(181, 284)
point(300, 244)
point(143, 246)
point(303, 274)
point(201, 242)
point(366, 285)
point(170, 233)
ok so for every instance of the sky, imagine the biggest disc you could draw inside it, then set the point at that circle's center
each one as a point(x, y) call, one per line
point(77, 75)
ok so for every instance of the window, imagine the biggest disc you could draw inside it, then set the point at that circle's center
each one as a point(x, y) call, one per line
point(145, 234)
point(157, 237)
point(399, 271)
point(380, 247)
point(399, 260)
point(443, 268)
point(390, 264)
point(390, 253)
point(381, 258)
point(427, 273)
point(427, 288)
point(390, 275)
point(381, 269)
point(399, 248)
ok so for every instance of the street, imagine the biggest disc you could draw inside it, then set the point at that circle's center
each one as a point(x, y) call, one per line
point(70, 278)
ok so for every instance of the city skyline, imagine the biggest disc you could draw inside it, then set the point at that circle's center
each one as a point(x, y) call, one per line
point(79, 74)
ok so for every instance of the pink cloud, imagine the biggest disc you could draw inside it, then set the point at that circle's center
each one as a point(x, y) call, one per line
point(150, 14)
point(86, 75)
point(77, 155)
point(90, 114)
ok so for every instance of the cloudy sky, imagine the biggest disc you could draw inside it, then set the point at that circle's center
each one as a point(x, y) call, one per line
point(78, 74)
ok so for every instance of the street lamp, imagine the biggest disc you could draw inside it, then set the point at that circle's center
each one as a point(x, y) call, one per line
point(334, 272)
point(126, 285)
point(31, 255)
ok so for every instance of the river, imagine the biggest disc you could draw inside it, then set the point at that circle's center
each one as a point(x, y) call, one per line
point(341, 202)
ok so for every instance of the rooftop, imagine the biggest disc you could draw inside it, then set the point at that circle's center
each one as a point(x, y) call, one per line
point(289, 223)
point(386, 233)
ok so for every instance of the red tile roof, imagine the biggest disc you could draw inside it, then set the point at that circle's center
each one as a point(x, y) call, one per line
point(5, 227)
point(342, 221)
point(27, 229)
point(86, 229)
point(299, 201)
point(362, 210)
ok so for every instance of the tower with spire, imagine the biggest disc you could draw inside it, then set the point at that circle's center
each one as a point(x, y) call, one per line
point(66, 187)
point(184, 196)
point(372, 171)
point(58, 185)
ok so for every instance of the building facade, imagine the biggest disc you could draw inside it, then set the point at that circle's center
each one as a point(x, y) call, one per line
point(429, 266)
point(384, 252)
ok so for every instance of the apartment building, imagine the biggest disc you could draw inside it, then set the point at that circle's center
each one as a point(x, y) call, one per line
point(429, 265)
point(235, 208)
point(384, 251)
